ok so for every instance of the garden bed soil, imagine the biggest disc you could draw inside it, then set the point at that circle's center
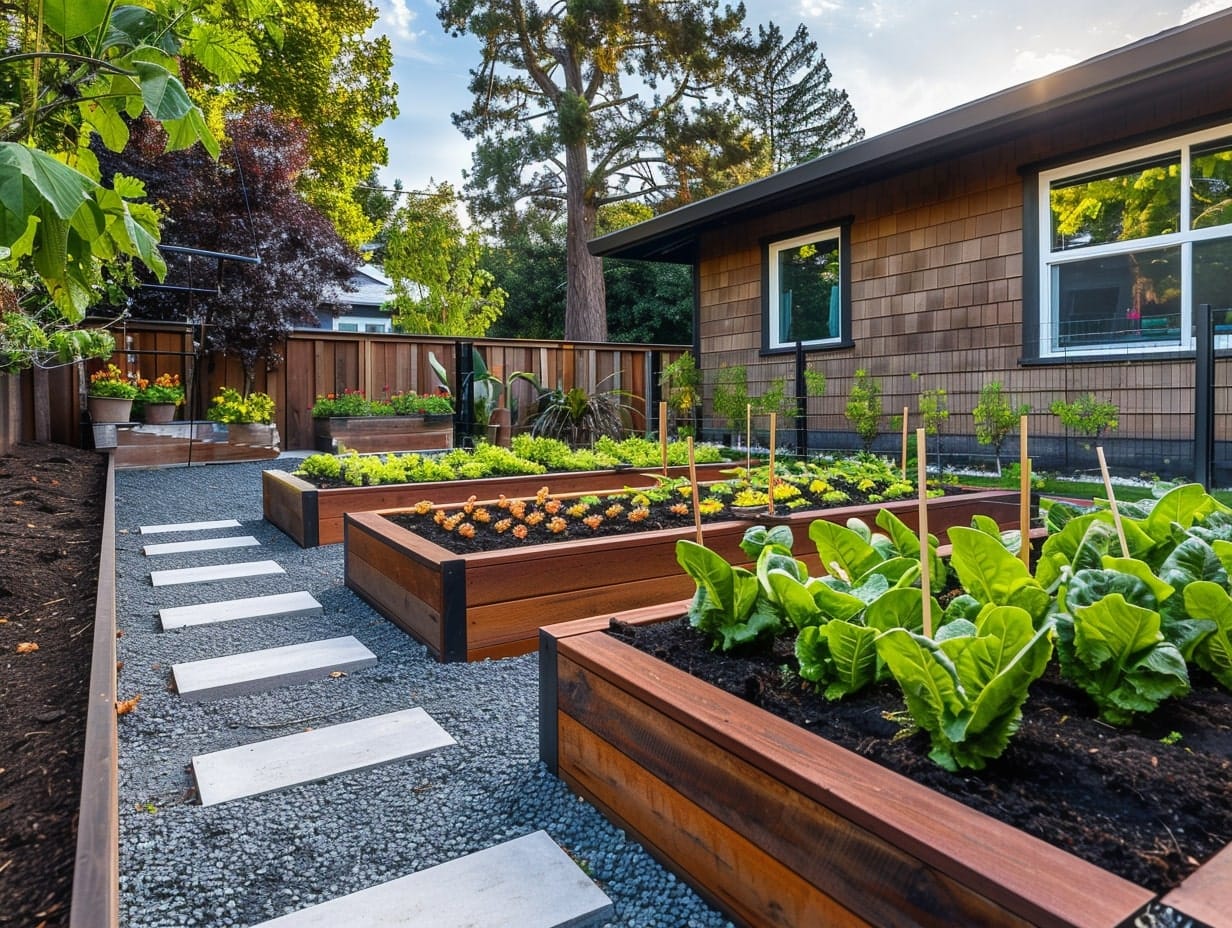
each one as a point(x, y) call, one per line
point(50, 522)
point(1122, 799)
point(311, 512)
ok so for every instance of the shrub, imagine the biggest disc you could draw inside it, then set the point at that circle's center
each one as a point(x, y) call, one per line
point(996, 418)
point(864, 410)
point(231, 407)
point(1086, 415)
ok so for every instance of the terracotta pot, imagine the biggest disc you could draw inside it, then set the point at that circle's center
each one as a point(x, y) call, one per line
point(109, 409)
point(159, 413)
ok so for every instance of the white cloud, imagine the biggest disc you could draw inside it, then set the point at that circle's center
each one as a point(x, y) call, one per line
point(1202, 8)
point(1029, 64)
point(397, 17)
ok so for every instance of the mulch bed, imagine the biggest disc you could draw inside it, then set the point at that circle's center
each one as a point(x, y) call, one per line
point(51, 503)
point(1120, 798)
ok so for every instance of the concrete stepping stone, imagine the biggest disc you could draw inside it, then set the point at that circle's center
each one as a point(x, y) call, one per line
point(214, 572)
point(277, 605)
point(256, 671)
point(188, 526)
point(202, 544)
point(264, 766)
point(528, 882)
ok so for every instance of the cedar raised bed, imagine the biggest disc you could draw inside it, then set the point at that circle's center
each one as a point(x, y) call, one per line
point(383, 433)
point(312, 516)
point(778, 826)
point(467, 607)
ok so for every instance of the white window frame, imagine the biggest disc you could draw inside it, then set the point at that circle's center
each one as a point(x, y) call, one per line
point(774, 339)
point(1048, 312)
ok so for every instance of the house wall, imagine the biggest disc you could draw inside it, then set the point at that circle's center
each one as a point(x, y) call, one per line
point(936, 284)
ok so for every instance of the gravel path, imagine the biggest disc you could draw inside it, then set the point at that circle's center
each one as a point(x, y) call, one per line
point(242, 862)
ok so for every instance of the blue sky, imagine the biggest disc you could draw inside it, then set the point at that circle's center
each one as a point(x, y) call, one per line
point(899, 60)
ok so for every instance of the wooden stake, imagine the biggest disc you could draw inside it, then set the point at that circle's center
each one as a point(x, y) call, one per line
point(922, 488)
point(663, 435)
point(1116, 513)
point(904, 442)
point(1024, 494)
point(770, 478)
point(697, 512)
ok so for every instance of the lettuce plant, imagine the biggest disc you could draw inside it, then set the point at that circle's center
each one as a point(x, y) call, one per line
point(966, 687)
point(728, 606)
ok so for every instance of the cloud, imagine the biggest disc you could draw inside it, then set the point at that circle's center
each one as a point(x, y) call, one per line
point(397, 17)
point(1202, 8)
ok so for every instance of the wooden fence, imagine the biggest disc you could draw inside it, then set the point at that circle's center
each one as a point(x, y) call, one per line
point(47, 403)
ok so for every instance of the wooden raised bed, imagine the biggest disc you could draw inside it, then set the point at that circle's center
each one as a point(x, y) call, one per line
point(492, 603)
point(383, 433)
point(314, 517)
point(778, 826)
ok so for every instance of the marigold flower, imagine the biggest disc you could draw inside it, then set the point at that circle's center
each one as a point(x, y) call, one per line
point(503, 502)
point(469, 506)
point(593, 522)
point(577, 510)
point(613, 510)
point(541, 495)
point(517, 508)
point(519, 531)
point(534, 518)
point(423, 507)
point(502, 526)
point(439, 518)
point(557, 525)
point(482, 516)
point(639, 514)
point(680, 509)
point(466, 530)
point(709, 507)
point(552, 506)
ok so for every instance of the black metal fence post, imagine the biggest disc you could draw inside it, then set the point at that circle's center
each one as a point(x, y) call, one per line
point(801, 404)
point(464, 413)
point(1204, 394)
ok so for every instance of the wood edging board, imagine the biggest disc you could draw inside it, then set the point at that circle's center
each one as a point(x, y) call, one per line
point(96, 870)
point(611, 715)
point(368, 434)
point(312, 516)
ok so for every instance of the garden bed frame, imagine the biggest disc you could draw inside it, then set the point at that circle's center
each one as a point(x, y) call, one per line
point(778, 826)
point(313, 517)
point(492, 604)
point(383, 433)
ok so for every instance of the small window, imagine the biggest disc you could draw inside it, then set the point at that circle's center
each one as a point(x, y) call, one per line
point(348, 327)
point(375, 328)
point(805, 290)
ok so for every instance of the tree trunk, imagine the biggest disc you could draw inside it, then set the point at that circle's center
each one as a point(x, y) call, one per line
point(585, 299)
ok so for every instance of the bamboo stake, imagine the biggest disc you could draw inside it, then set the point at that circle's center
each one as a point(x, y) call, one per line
point(770, 479)
point(748, 437)
point(922, 489)
point(1024, 494)
point(1116, 513)
point(697, 511)
point(663, 435)
point(904, 442)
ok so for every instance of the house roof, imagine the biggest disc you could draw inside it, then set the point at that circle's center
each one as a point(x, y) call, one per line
point(371, 287)
point(1185, 56)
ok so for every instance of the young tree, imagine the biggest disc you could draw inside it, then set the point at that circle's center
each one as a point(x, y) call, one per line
point(571, 102)
point(784, 91)
point(246, 203)
point(864, 409)
point(996, 418)
point(439, 285)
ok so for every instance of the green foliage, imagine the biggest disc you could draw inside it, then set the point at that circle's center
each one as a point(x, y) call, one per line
point(439, 285)
point(112, 382)
point(967, 686)
point(731, 395)
point(40, 340)
point(727, 606)
point(232, 407)
point(355, 403)
point(579, 416)
point(864, 410)
point(996, 418)
point(934, 410)
point(682, 382)
point(1209, 601)
point(1086, 415)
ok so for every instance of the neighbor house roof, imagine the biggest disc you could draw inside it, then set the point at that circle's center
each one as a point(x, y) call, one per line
point(1185, 56)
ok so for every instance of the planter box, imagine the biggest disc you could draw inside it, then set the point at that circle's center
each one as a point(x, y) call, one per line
point(491, 604)
point(383, 433)
point(778, 826)
point(314, 517)
point(186, 442)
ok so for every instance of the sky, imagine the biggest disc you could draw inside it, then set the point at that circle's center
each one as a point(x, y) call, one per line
point(898, 60)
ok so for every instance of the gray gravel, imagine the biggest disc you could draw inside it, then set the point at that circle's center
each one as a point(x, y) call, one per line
point(243, 862)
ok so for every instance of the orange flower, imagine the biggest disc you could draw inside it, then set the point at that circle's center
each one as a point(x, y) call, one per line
point(502, 526)
point(466, 530)
point(680, 509)
point(439, 518)
point(534, 518)
point(469, 506)
point(552, 506)
point(541, 495)
point(557, 525)
point(422, 508)
point(517, 508)
point(503, 502)
point(593, 521)
point(613, 510)
point(519, 531)
point(482, 516)
point(638, 514)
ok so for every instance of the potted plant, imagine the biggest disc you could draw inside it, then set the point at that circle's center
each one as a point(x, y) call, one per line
point(110, 396)
point(248, 418)
point(400, 422)
point(160, 397)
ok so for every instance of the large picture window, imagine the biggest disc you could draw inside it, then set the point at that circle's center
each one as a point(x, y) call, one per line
point(805, 290)
point(1131, 243)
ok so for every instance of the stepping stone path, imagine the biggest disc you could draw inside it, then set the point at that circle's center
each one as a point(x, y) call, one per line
point(256, 671)
point(528, 882)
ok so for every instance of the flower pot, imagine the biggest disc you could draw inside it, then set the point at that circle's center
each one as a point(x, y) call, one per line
point(159, 413)
point(109, 409)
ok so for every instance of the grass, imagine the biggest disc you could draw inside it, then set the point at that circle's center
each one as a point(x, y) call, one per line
point(1085, 489)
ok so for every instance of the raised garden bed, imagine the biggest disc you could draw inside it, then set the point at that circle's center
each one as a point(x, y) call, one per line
point(780, 827)
point(313, 516)
point(383, 433)
point(492, 603)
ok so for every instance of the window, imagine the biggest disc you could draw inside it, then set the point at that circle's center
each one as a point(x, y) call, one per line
point(1132, 242)
point(804, 294)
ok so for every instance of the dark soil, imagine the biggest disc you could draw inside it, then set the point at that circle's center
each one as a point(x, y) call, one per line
point(50, 526)
point(1122, 799)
